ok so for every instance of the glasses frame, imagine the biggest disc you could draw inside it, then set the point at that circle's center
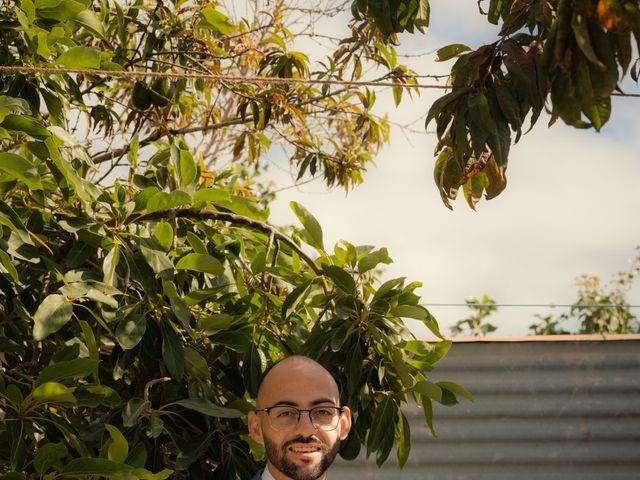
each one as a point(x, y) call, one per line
point(300, 410)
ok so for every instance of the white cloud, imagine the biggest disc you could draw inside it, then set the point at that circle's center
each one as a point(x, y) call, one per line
point(570, 206)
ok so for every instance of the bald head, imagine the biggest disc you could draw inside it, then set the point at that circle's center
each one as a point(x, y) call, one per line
point(303, 449)
point(294, 375)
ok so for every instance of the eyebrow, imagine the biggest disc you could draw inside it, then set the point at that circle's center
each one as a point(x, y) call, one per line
point(291, 403)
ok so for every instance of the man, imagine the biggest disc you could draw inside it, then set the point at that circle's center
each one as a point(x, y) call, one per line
point(299, 420)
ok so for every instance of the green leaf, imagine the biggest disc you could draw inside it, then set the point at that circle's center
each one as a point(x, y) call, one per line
point(294, 298)
point(90, 21)
point(221, 321)
point(400, 365)
point(198, 262)
point(78, 368)
point(368, 262)
point(447, 175)
point(212, 19)
point(137, 455)
point(245, 207)
point(410, 311)
point(85, 190)
point(80, 467)
point(58, 9)
point(48, 456)
point(450, 51)
point(403, 440)
point(312, 229)
point(196, 365)
point(422, 17)
point(159, 262)
point(14, 166)
point(341, 278)
point(259, 262)
point(109, 266)
point(428, 389)
point(94, 395)
point(455, 389)
point(188, 169)
point(206, 407)
point(583, 38)
point(213, 195)
point(474, 188)
point(195, 243)
point(440, 349)
point(252, 370)
point(147, 475)
point(427, 408)
point(130, 330)
point(387, 288)
point(25, 124)
point(53, 392)
point(440, 104)
point(14, 105)
point(133, 410)
point(163, 233)
point(8, 266)
point(383, 425)
point(80, 57)
point(164, 200)
point(172, 351)
point(341, 334)
point(52, 314)
point(118, 448)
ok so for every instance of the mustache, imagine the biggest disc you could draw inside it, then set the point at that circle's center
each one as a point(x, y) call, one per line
point(301, 439)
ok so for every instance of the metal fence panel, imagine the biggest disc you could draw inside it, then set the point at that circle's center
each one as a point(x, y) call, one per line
point(543, 410)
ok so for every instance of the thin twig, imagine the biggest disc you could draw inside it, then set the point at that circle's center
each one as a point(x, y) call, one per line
point(232, 218)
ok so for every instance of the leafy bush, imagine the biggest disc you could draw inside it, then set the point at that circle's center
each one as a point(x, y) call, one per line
point(140, 303)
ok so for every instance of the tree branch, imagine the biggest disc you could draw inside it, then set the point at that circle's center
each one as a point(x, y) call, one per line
point(231, 218)
point(159, 133)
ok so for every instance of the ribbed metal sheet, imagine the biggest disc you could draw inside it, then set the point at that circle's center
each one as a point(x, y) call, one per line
point(543, 411)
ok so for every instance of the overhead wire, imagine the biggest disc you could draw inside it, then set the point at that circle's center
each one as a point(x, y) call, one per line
point(136, 74)
point(533, 305)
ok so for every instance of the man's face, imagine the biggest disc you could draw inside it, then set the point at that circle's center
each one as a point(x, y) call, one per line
point(302, 452)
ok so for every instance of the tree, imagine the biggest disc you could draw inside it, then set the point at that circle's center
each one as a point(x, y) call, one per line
point(566, 57)
point(142, 290)
point(475, 324)
point(599, 308)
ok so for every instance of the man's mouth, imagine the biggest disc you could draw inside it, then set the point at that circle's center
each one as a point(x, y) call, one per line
point(304, 448)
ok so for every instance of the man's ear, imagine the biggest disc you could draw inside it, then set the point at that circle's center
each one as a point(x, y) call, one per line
point(255, 428)
point(345, 423)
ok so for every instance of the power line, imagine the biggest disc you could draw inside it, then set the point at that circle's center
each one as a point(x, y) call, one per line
point(532, 305)
point(136, 74)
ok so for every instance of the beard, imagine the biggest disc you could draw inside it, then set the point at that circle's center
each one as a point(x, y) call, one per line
point(277, 456)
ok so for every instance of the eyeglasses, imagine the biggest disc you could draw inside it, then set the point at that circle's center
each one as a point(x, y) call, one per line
point(285, 417)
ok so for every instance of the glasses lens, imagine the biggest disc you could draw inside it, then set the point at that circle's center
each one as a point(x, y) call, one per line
point(324, 418)
point(283, 418)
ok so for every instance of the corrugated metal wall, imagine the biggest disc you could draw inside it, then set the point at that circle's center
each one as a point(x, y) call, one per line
point(543, 410)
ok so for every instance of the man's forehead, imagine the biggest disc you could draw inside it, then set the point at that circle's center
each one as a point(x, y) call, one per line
point(298, 380)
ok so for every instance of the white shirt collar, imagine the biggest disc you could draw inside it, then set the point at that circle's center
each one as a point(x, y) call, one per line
point(266, 474)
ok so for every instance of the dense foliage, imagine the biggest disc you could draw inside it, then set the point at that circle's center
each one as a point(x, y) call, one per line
point(142, 290)
point(567, 57)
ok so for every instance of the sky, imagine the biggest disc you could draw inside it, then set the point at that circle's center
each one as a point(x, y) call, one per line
point(570, 206)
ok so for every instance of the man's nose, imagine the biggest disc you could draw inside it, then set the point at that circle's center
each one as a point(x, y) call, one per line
point(305, 424)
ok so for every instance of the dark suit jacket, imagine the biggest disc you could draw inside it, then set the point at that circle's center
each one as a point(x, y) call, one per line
point(258, 475)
